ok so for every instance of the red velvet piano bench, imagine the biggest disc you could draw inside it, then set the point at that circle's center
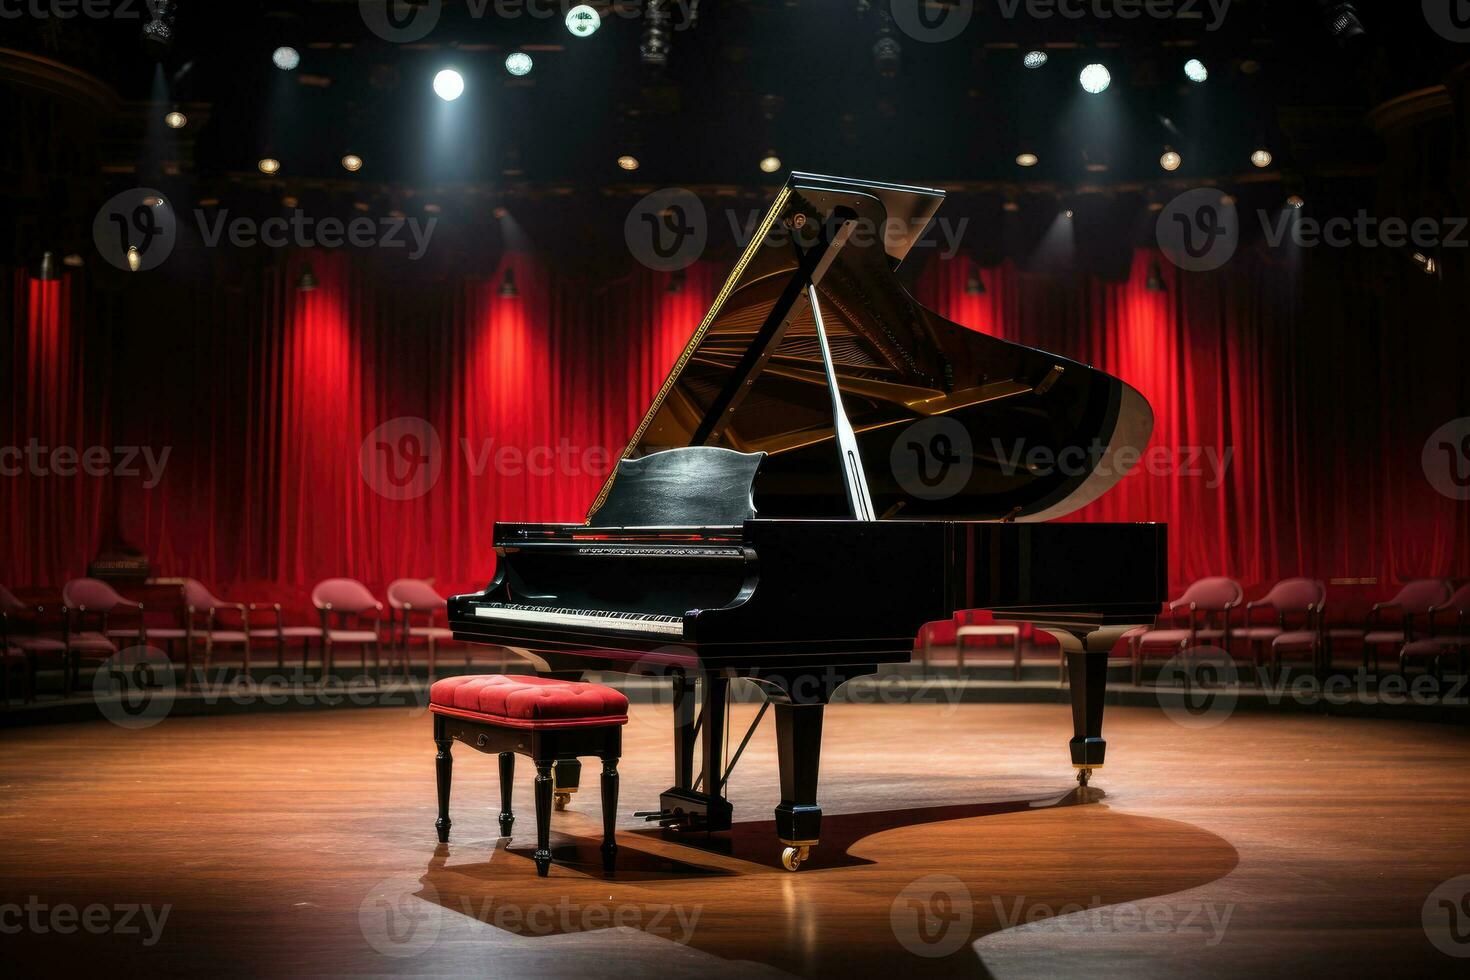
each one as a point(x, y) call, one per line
point(553, 721)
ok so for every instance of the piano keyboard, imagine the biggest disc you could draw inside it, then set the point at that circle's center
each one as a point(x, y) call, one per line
point(592, 618)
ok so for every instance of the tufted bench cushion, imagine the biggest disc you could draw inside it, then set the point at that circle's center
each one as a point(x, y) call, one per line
point(523, 701)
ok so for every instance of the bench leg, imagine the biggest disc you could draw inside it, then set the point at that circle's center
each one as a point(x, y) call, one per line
point(609, 812)
point(443, 770)
point(507, 782)
point(543, 816)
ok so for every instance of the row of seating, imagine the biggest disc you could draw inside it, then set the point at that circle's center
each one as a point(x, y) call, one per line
point(1424, 623)
point(94, 622)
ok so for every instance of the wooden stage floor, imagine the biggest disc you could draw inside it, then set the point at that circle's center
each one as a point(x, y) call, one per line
point(954, 843)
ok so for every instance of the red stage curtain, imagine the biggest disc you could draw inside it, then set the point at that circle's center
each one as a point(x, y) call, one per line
point(298, 422)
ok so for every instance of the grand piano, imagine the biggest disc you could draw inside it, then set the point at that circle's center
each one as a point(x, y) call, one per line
point(828, 467)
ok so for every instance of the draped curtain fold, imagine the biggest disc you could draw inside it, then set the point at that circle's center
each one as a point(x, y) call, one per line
point(372, 428)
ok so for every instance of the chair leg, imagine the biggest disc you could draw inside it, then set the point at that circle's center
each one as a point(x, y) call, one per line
point(507, 784)
point(543, 816)
point(1017, 642)
point(431, 660)
point(326, 659)
point(444, 774)
point(609, 812)
point(247, 655)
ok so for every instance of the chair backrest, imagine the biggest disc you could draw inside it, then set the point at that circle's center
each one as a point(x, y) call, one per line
point(9, 603)
point(198, 596)
point(415, 592)
point(1461, 599)
point(92, 593)
point(343, 595)
point(1416, 597)
point(1213, 594)
point(1295, 595)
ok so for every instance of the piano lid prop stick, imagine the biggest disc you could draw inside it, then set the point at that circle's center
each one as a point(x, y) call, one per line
point(853, 477)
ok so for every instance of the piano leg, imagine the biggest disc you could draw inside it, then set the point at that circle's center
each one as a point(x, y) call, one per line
point(683, 730)
point(1088, 675)
point(542, 855)
point(799, 748)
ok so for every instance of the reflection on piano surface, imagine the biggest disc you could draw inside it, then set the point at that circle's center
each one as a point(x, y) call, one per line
point(819, 476)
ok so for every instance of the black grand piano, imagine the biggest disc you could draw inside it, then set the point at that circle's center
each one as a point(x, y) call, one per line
point(828, 467)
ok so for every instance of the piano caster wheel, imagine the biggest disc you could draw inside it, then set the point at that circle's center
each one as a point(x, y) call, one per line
point(792, 857)
point(1083, 775)
point(562, 799)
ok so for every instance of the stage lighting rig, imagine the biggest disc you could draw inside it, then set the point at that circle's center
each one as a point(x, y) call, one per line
point(158, 33)
point(1342, 21)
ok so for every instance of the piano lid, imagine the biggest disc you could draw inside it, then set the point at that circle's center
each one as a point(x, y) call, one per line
point(949, 422)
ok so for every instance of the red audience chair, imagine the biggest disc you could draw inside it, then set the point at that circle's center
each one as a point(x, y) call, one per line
point(199, 601)
point(341, 600)
point(1295, 602)
point(93, 601)
point(1208, 602)
point(21, 641)
point(407, 596)
point(1415, 599)
point(1436, 646)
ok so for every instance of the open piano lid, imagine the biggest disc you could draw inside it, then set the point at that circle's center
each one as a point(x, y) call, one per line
point(949, 422)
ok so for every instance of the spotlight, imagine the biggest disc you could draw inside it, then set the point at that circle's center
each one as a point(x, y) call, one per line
point(1295, 201)
point(1228, 200)
point(1170, 161)
point(286, 58)
point(1425, 262)
point(269, 165)
point(1069, 214)
point(508, 284)
point(518, 63)
point(307, 282)
point(46, 270)
point(1034, 59)
point(1011, 207)
point(499, 212)
point(1195, 71)
point(1026, 159)
point(176, 120)
point(887, 55)
point(449, 85)
point(628, 162)
point(1095, 79)
point(352, 163)
point(1155, 283)
point(290, 201)
point(73, 261)
point(432, 208)
point(1262, 158)
point(583, 21)
point(654, 48)
point(158, 33)
point(1342, 21)
point(135, 259)
point(770, 163)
